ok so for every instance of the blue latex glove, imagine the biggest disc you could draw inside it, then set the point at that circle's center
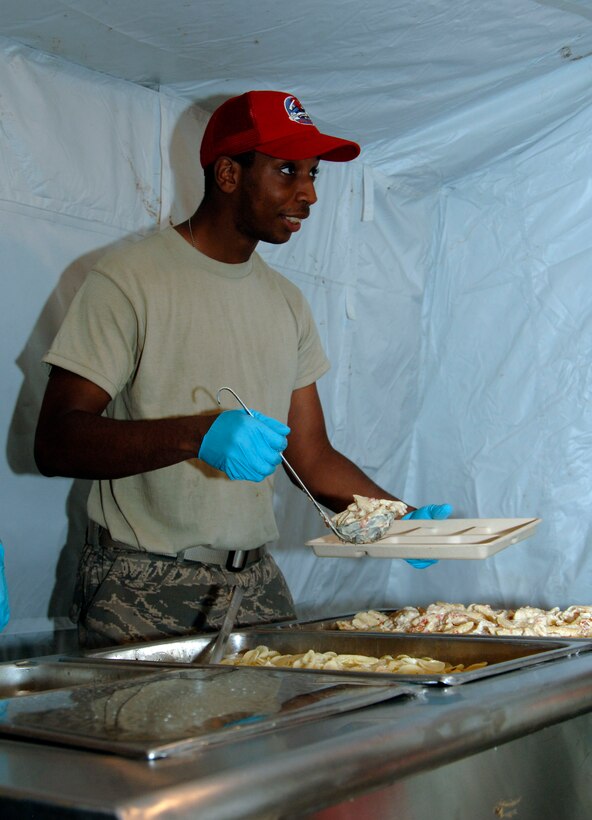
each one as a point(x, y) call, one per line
point(244, 447)
point(4, 607)
point(434, 511)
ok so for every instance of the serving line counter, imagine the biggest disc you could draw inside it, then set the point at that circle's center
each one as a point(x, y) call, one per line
point(513, 744)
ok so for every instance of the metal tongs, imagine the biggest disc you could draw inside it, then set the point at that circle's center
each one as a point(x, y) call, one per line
point(214, 652)
point(295, 475)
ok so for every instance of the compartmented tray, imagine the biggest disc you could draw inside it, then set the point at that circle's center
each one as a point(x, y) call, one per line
point(453, 538)
point(500, 655)
point(165, 711)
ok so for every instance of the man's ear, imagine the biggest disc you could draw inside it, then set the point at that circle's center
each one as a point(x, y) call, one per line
point(226, 174)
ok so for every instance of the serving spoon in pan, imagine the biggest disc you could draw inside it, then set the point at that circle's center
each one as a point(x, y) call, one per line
point(214, 652)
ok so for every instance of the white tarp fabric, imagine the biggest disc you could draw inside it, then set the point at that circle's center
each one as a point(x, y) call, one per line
point(447, 270)
point(377, 70)
point(81, 170)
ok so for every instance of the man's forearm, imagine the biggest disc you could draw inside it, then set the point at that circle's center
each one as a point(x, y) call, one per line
point(84, 445)
point(333, 480)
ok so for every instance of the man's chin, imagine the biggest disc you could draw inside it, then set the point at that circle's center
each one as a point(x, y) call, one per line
point(276, 240)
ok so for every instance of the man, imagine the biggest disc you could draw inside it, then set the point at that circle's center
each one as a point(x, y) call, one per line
point(157, 328)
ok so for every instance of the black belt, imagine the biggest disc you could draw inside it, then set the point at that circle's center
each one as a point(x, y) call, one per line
point(233, 560)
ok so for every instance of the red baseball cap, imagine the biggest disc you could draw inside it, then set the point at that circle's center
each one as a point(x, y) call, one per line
point(274, 123)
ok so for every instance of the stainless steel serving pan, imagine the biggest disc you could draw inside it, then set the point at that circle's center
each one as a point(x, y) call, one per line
point(30, 677)
point(157, 712)
point(330, 624)
point(501, 655)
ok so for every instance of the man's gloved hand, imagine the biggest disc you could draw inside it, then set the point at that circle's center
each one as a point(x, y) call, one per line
point(436, 512)
point(4, 608)
point(244, 447)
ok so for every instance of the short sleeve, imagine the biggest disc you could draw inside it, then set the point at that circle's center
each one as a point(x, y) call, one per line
point(312, 361)
point(99, 337)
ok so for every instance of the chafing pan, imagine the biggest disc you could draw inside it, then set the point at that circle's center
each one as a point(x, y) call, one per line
point(330, 624)
point(31, 677)
point(501, 655)
point(170, 711)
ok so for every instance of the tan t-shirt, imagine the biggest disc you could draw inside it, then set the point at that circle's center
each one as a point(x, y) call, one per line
point(161, 328)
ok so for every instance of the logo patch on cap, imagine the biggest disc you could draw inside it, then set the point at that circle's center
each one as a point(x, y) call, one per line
point(296, 112)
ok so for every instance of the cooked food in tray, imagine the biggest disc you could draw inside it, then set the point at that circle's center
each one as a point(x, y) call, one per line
point(366, 520)
point(477, 619)
point(332, 662)
point(363, 654)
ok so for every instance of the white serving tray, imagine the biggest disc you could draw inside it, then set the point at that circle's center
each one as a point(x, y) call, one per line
point(455, 538)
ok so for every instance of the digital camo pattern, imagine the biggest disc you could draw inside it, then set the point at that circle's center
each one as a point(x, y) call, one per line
point(125, 597)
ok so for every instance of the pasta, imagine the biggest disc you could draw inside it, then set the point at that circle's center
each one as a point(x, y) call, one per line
point(332, 662)
point(476, 619)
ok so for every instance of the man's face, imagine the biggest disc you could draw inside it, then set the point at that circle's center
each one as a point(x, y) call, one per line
point(273, 196)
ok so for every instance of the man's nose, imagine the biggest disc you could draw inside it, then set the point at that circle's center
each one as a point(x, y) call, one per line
point(307, 192)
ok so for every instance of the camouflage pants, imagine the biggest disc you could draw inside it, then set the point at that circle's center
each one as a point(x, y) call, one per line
point(126, 597)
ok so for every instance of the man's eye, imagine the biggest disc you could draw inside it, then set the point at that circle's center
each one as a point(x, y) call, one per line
point(288, 169)
point(314, 172)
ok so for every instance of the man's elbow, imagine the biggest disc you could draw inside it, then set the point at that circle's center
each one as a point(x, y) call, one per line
point(44, 455)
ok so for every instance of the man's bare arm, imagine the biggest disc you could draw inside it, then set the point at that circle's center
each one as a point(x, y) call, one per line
point(73, 439)
point(329, 475)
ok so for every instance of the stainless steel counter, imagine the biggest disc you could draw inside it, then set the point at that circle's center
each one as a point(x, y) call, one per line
point(303, 769)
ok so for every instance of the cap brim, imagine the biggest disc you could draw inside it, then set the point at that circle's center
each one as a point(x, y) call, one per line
point(313, 145)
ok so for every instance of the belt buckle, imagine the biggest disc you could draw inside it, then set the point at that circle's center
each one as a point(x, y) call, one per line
point(231, 560)
point(237, 560)
point(202, 555)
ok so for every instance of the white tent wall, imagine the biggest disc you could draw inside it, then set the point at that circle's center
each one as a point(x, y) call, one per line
point(505, 414)
point(82, 164)
point(450, 310)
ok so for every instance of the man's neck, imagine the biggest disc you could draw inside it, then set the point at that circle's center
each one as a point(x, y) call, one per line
point(216, 240)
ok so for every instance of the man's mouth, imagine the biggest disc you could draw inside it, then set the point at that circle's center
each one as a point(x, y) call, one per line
point(294, 221)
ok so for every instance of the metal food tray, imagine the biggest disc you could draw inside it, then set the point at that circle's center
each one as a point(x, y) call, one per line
point(30, 677)
point(453, 538)
point(169, 711)
point(501, 655)
point(330, 625)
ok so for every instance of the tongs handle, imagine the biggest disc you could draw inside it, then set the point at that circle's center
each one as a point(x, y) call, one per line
point(214, 652)
point(302, 485)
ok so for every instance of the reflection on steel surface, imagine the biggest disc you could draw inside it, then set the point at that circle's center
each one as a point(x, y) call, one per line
point(166, 711)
